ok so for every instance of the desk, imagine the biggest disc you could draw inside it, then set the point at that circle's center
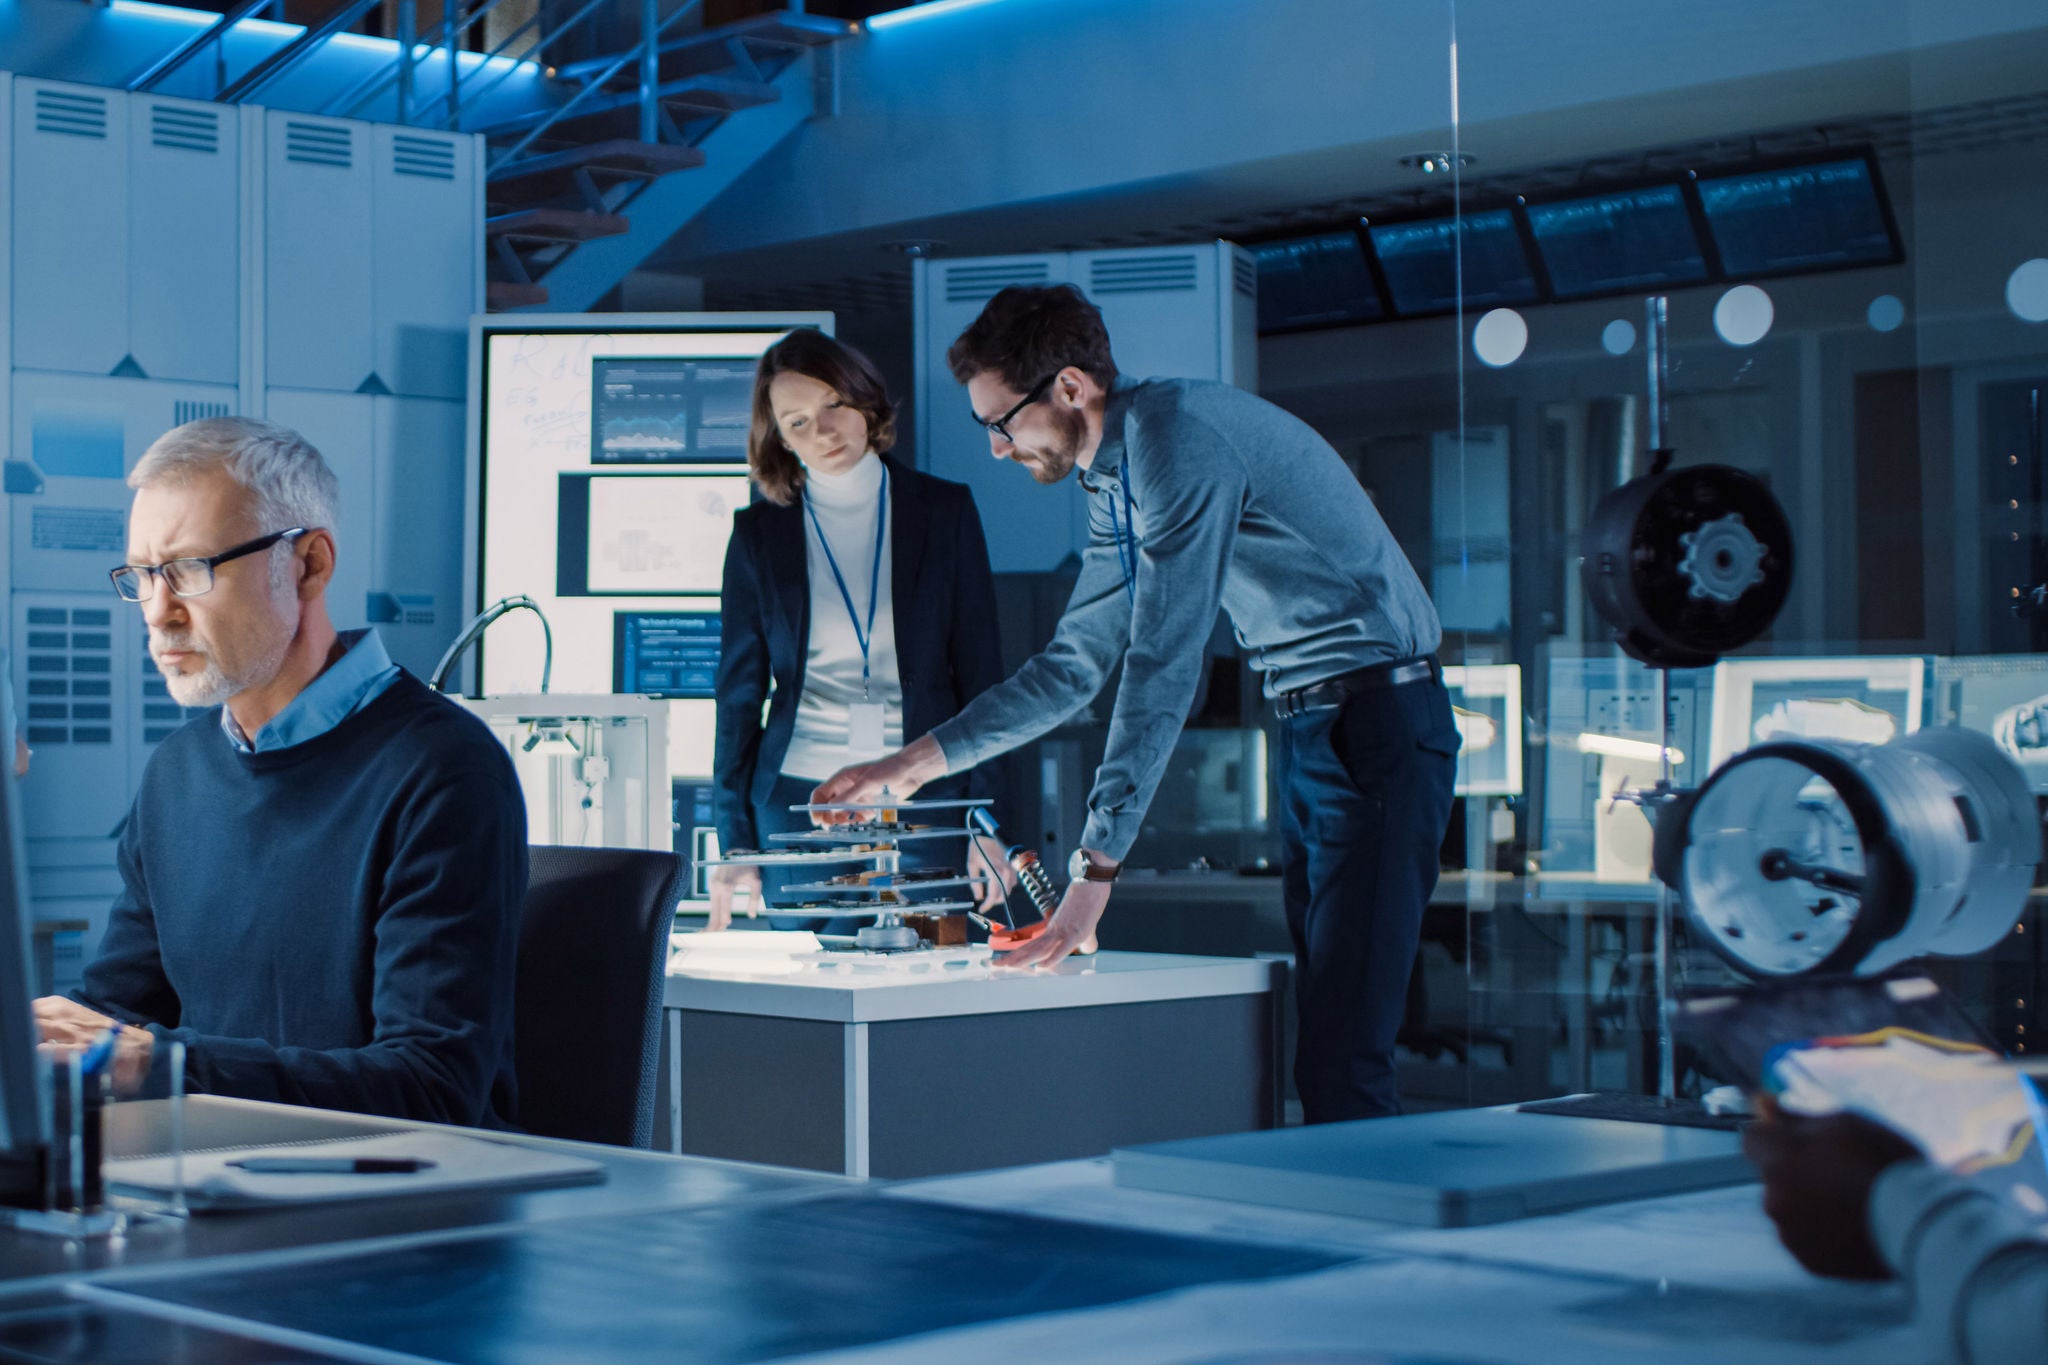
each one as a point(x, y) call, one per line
point(1066, 1266)
point(634, 1181)
point(893, 1076)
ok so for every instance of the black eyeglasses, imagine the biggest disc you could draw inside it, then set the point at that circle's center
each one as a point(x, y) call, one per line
point(1001, 425)
point(187, 577)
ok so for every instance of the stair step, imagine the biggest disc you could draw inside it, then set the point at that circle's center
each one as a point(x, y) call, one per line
point(501, 295)
point(779, 29)
point(790, 30)
point(556, 225)
point(717, 94)
point(551, 176)
point(689, 94)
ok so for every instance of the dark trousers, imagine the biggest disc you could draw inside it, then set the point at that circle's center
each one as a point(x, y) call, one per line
point(1365, 794)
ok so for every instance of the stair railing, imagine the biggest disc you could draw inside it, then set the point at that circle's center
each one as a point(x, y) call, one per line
point(650, 37)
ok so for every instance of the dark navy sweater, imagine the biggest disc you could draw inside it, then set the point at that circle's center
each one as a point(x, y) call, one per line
point(331, 924)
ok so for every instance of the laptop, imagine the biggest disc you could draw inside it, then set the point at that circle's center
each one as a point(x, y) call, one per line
point(1459, 1168)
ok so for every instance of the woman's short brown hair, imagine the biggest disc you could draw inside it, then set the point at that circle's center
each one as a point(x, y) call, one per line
point(808, 352)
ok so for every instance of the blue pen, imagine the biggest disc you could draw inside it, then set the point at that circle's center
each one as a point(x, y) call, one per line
point(97, 1055)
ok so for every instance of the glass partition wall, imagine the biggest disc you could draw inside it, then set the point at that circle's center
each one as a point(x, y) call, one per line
point(1846, 215)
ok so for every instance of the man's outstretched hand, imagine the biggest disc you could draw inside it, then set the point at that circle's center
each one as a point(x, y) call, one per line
point(1817, 1175)
point(902, 773)
point(1071, 925)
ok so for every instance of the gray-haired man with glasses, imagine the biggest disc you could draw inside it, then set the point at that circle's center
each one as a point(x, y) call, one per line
point(321, 880)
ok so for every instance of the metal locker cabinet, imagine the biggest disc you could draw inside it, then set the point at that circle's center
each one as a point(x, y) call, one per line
point(1029, 529)
point(184, 254)
point(342, 427)
point(426, 239)
point(319, 253)
point(70, 228)
point(416, 558)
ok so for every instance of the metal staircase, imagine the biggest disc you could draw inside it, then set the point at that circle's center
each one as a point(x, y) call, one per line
point(612, 155)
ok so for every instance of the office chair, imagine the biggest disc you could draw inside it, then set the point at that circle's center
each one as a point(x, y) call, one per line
point(593, 957)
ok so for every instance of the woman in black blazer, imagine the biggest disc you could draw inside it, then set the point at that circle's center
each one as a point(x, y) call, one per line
point(832, 652)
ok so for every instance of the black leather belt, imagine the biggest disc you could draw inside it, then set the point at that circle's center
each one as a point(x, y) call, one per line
point(1338, 690)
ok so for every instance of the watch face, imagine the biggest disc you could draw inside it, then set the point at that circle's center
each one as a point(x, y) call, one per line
point(1077, 865)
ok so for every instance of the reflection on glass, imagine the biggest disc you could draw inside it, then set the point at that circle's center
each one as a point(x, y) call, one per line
point(1744, 315)
point(2026, 291)
point(1500, 337)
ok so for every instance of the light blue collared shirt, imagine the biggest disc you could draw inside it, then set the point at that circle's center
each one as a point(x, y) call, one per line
point(352, 682)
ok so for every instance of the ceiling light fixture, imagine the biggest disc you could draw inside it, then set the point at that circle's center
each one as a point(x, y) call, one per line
point(1436, 163)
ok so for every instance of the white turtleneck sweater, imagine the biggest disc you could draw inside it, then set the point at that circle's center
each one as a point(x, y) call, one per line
point(846, 506)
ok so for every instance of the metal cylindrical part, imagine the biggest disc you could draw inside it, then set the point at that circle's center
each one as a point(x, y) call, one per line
point(1037, 884)
point(1926, 845)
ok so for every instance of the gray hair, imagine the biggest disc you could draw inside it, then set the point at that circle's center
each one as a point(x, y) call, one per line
point(291, 482)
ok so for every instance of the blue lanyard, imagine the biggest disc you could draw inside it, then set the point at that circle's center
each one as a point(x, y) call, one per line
point(865, 637)
point(1128, 560)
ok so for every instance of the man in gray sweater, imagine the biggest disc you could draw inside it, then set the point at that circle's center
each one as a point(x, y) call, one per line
point(1854, 1200)
point(1203, 496)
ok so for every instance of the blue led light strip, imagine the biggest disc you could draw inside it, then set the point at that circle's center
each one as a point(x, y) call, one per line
point(930, 9)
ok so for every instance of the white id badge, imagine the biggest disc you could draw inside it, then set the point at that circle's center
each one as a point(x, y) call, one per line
point(865, 734)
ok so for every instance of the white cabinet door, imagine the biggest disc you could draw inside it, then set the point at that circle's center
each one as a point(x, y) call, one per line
point(319, 277)
point(426, 237)
point(185, 283)
point(70, 228)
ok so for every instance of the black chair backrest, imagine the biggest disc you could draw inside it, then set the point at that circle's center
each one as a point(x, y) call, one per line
point(593, 957)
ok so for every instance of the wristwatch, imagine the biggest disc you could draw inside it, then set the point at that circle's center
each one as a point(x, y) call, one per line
point(1080, 868)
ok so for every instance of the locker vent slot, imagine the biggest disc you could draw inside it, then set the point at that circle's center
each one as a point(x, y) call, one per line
point(319, 144)
point(1165, 273)
point(431, 157)
point(185, 410)
point(191, 130)
point(59, 111)
point(979, 283)
point(1247, 274)
point(64, 665)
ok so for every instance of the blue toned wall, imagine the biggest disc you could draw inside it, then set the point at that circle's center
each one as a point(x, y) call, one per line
point(1179, 109)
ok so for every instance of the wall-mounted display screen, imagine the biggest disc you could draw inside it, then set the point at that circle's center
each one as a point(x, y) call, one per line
point(669, 410)
point(665, 653)
point(644, 535)
point(1419, 262)
point(607, 466)
point(1823, 216)
point(1316, 281)
point(1639, 239)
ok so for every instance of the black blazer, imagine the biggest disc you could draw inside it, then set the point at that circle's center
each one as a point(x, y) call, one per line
point(947, 650)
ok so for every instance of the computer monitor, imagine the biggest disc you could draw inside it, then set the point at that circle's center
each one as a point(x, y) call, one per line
point(24, 1123)
point(1618, 242)
point(1418, 260)
point(1318, 280)
point(1828, 214)
point(665, 653)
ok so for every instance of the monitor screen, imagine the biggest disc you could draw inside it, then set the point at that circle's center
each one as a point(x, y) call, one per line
point(644, 535)
point(1319, 281)
point(1418, 260)
point(1823, 216)
point(22, 1126)
point(665, 653)
point(588, 531)
point(670, 410)
point(1619, 242)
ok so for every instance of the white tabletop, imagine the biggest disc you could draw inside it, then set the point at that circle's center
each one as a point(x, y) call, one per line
point(1697, 1278)
point(842, 996)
